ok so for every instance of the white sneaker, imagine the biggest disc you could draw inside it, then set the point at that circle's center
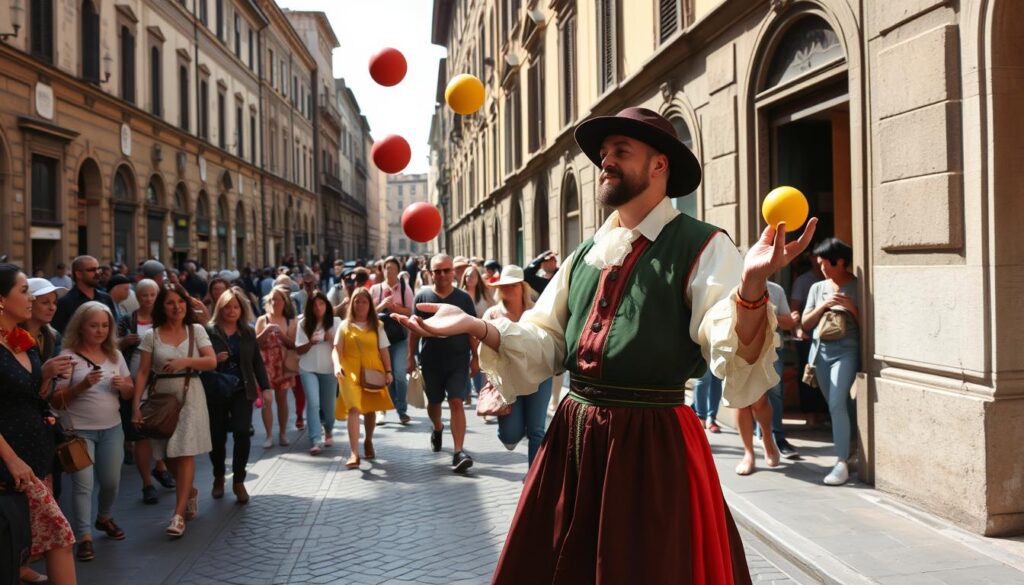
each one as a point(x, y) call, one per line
point(839, 475)
point(268, 443)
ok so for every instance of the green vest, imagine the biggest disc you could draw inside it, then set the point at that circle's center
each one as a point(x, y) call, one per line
point(636, 334)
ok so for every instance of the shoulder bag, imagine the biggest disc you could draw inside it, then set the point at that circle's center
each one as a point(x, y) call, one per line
point(72, 451)
point(372, 379)
point(491, 402)
point(160, 412)
point(415, 396)
point(291, 357)
point(219, 386)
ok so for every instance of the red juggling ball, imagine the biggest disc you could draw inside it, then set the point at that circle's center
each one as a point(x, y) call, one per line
point(391, 154)
point(421, 222)
point(388, 67)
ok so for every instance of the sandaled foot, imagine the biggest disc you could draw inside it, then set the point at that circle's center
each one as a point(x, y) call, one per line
point(353, 461)
point(27, 575)
point(283, 440)
point(746, 466)
point(368, 450)
point(177, 526)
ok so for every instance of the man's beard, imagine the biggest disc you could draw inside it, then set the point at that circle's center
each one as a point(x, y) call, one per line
point(622, 193)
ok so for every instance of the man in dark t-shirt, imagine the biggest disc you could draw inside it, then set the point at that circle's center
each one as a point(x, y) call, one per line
point(446, 363)
point(85, 274)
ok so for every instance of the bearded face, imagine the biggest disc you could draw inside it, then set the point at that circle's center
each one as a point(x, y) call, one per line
point(620, 185)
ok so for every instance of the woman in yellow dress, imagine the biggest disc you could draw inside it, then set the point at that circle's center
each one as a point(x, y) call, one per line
point(362, 361)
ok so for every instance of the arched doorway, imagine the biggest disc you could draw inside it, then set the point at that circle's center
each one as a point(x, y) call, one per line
point(90, 187)
point(123, 204)
point(156, 215)
point(541, 229)
point(572, 228)
point(803, 120)
point(203, 228)
point(179, 251)
point(222, 233)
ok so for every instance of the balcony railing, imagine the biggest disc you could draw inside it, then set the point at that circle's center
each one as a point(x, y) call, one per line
point(331, 112)
point(334, 184)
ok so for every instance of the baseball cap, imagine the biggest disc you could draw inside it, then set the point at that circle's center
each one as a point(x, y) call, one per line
point(152, 268)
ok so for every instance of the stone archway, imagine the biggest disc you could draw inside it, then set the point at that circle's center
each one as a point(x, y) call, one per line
point(90, 205)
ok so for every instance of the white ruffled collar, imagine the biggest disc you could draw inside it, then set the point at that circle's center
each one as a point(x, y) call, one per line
point(612, 242)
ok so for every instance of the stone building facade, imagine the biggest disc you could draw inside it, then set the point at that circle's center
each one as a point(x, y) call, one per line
point(404, 190)
point(900, 122)
point(171, 129)
point(354, 143)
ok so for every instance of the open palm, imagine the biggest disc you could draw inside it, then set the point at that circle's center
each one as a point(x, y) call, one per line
point(447, 320)
point(771, 252)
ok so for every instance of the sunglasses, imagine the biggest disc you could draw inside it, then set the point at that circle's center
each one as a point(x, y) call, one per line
point(443, 271)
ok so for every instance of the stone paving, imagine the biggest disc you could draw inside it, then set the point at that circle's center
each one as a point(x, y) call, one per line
point(403, 518)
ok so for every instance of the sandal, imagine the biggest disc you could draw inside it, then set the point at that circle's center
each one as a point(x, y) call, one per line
point(113, 530)
point(283, 440)
point(353, 461)
point(176, 528)
point(368, 450)
point(192, 505)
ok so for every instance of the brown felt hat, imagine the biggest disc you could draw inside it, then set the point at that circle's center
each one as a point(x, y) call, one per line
point(652, 129)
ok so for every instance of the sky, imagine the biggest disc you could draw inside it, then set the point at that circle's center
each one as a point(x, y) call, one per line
point(364, 27)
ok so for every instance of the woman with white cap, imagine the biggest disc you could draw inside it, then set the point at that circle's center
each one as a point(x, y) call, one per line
point(529, 415)
point(44, 307)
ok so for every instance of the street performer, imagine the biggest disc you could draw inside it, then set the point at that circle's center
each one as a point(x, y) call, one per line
point(624, 488)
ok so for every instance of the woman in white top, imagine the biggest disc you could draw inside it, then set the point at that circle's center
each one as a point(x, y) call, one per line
point(90, 403)
point(169, 356)
point(314, 338)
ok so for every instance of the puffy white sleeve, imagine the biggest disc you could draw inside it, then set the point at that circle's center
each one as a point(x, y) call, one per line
point(532, 349)
point(713, 325)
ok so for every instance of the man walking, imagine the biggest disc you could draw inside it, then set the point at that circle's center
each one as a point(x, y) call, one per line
point(446, 362)
point(61, 278)
point(394, 297)
point(85, 274)
point(624, 488)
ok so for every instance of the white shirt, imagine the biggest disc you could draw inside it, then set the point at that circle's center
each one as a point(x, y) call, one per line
point(318, 359)
point(533, 349)
point(98, 408)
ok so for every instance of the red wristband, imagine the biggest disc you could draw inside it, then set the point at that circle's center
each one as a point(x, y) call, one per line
point(752, 305)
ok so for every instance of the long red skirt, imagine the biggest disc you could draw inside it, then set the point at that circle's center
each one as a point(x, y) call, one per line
point(623, 495)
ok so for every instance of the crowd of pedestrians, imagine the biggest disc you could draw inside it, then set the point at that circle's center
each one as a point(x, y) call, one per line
point(83, 351)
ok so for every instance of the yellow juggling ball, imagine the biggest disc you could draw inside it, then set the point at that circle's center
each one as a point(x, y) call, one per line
point(785, 204)
point(464, 94)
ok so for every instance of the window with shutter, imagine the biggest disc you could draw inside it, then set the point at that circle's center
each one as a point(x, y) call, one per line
point(127, 65)
point(155, 81)
point(90, 41)
point(535, 112)
point(608, 51)
point(183, 97)
point(41, 31)
point(569, 71)
point(668, 12)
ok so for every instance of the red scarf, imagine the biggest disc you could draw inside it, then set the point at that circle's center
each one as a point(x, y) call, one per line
point(18, 340)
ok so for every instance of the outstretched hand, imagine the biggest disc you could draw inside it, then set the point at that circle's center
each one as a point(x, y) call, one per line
point(447, 320)
point(771, 252)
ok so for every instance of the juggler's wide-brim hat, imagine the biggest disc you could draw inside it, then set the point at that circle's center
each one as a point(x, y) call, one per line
point(650, 128)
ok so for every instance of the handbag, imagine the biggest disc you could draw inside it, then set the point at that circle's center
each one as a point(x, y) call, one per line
point(291, 360)
point(832, 325)
point(72, 450)
point(394, 330)
point(491, 402)
point(219, 386)
point(810, 376)
point(415, 395)
point(372, 379)
point(160, 412)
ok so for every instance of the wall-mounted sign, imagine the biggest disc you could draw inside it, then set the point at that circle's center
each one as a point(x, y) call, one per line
point(45, 233)
point(202, 169)
point(126, 140)
point(44, 101)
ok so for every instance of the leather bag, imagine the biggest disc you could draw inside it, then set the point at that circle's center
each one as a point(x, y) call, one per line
point(415, 395)
point(160, 412)
point(72, 450)
point(491, 402)
point(372, 379)
point(832, 325)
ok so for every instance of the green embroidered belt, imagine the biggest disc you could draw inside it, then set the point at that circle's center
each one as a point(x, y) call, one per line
point(592, 393)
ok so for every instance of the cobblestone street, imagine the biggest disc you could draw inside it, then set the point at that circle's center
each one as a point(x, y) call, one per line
point(404, 518)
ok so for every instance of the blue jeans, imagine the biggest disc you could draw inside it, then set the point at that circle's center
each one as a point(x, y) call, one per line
point(321, 396)
point(106, 447)
point(399, 353)
point(529, 418)
point(836, 368)
point(707, 395)
point(775, 399)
